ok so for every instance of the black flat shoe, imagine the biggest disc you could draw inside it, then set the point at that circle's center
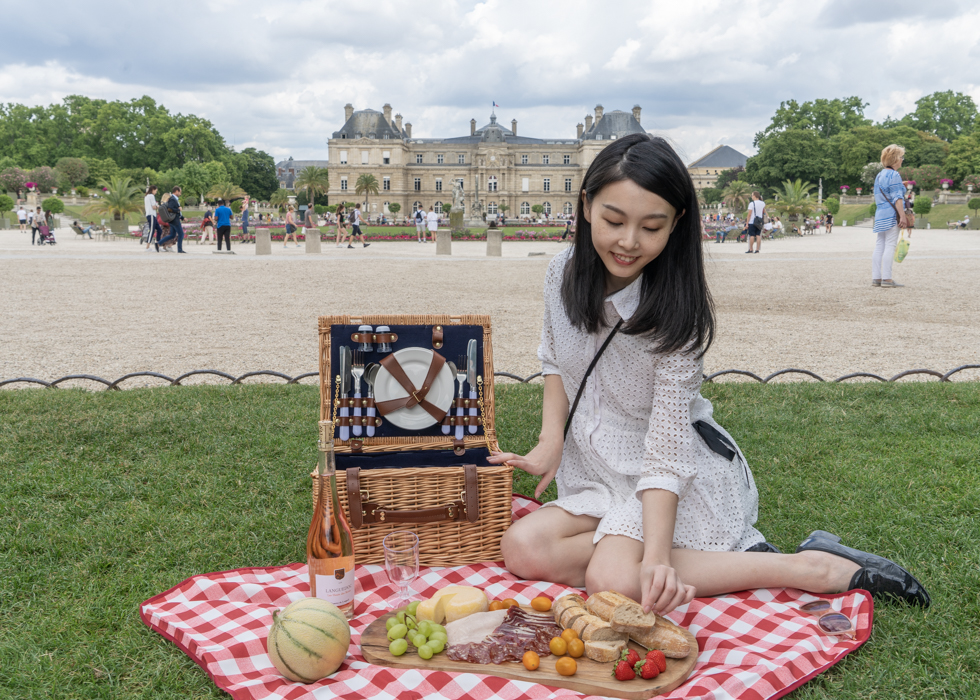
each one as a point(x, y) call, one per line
point(877, 575)
point(764, 547)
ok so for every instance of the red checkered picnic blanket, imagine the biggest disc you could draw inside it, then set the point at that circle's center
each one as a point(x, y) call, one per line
point(754, 645)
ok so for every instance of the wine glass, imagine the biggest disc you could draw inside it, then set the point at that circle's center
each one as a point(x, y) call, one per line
point(402, 565)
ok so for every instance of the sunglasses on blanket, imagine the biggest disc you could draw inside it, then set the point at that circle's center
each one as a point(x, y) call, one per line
point(829, 620)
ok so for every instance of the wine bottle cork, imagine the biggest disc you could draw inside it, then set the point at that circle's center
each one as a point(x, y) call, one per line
point(326, 432)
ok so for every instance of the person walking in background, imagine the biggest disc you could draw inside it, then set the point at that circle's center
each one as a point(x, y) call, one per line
point(222, 216)
point(207, 227)
point(889, 216)
point(176, 229)
point(37, 219)
point(420, 224)
point(290, 228)
point(753, 222)
point(245, 216)
point(356, 227)
point(432, 219)
point(22, 217)
point(310, 227)
point(569, 223)
point(341, 226)
point(828, 223)
point(150, 210)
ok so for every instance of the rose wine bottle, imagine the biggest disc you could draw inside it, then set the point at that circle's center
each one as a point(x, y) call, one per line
point(329, 544)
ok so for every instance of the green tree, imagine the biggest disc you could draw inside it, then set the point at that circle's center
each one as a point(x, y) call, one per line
point(832, 204)
point(259, 174)
point(946, 114)
point(226, 191)
point(926, 177)
point(825, 118)
point(236, 206)
point(791, 155)
point(973, 204)
point(869, 172)
point(504, 208)
point(394, 208)
point(446, 208)
point(6, 203)
point(314, 180)
point(794, 199)
point(737, 195)
point(73, 170)
point(53, 205)
point(120, 197)
point(100, 169)
point(12, 179)
point(964, 157)
point(279, 198)
point(44, 177)
point(366, 184)
point(922, 206)
point(725, 177)
point(711, 195)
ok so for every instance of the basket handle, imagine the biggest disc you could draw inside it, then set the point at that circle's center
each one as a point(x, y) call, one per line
point(365, 513)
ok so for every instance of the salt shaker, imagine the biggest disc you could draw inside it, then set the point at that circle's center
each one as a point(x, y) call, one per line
point(383, 346)
point(365, 333)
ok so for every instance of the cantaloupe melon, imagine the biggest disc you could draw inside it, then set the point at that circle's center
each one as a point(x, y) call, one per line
point(308, 640)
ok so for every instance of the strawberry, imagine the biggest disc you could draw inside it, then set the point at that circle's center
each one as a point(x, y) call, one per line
point(624, 672)
point(647, 669)
point(630, 657)
point(658, 658)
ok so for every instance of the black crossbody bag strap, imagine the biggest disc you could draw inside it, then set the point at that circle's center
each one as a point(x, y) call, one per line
point(581, 388)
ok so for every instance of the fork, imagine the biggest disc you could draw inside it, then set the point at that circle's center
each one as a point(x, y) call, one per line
point(357, 369)
point(460, 377)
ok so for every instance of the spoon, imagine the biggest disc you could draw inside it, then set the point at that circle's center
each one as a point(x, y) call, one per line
point(370, 374)
point(452, 368)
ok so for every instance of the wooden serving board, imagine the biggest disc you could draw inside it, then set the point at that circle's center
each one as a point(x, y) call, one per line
point(591, 678)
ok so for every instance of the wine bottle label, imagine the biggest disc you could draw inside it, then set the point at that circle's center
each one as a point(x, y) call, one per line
point(333, 579)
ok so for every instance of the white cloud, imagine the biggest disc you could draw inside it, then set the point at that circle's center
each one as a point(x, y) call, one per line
point(277, 76)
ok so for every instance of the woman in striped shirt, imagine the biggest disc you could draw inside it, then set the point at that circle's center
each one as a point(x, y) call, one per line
point(889, 196)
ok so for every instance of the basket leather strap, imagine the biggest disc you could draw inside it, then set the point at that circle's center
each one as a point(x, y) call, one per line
point(365, 512)
point(416, 397)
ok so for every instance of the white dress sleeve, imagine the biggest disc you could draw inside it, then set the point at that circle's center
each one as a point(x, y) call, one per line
point(671, 459)
point(552, 296)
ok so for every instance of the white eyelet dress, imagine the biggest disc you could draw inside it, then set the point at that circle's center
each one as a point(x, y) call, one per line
point(633, 431)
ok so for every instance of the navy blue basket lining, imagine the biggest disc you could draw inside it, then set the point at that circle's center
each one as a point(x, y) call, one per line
point(455, 341)
point(419, 458)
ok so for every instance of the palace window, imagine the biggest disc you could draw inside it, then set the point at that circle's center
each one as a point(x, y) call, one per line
point(459, 180)
point(492, 183)
point(547, 184)
point(416, 206)
point(385, 207)
point(598, 137)
point(418, 184)
point(418, 157)
point(545, 160)
point(492, 209)
point(461, 158)
point(525, 184)
point(437, 207)
point(343, 160)
point(568, 209)
point(440, 159)
point(386, 157)
point(568, 184)
point(524, 159)
point(387, 136)
point(566, 159)
point(438, 184)
point(547, 208)
point(386, 183)
point(282, 185)
point(343, 184)
point(525, 208)
point(365, 157)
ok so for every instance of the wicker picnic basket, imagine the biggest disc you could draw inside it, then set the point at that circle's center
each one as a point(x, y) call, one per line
point(442, 489)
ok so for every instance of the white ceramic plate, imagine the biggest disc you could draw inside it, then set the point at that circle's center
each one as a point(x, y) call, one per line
point(415, 362)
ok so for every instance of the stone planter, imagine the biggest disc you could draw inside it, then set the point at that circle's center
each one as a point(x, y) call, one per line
point(119, 226)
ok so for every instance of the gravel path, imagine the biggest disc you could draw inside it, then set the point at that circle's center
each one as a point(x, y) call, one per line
point(108, 308)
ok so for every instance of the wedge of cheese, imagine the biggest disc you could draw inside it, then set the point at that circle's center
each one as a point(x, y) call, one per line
point(452, 603)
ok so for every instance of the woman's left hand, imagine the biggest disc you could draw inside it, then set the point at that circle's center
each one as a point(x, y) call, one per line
point(662, 588)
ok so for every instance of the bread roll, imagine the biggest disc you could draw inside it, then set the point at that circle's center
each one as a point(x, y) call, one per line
point(570, 615)
point(626, 616)
point(565, 602)
point(665, 636)
point(604, 652)
point(604, 603)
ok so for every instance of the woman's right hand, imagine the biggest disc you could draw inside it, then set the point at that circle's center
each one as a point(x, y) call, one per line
point(542, 461)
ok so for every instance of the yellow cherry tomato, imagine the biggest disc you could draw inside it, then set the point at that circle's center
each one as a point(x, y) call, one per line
point(509, 603)
point(541, 603)
point(497, 605)
point(569, 634)
point(558, 646)
point(531, 661)
point(576, 648)
point(566, 666)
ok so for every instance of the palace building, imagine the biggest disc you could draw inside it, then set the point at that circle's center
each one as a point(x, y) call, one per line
point(705, 170)
point(494, 165)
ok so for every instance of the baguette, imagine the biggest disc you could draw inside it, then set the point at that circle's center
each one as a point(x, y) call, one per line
point(626, 616)
point(665, 636)
point(604, 603)
point(591, 628)
point(604, 652)
point(566, 602)
point(568, 617)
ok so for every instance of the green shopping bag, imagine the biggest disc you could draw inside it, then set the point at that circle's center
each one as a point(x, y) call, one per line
point(902, 249)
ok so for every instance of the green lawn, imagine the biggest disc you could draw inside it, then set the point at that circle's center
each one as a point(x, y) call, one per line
point(109, 498)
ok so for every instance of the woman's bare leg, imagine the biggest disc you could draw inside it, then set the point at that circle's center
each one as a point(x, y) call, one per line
point(615, 565)
point(550, 544)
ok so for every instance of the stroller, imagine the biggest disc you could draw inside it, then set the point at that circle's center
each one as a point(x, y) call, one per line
point(46, 235)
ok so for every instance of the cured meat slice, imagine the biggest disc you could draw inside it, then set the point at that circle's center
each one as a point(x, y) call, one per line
point(519, 632)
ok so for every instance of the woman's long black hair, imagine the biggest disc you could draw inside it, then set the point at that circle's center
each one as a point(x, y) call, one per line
point(675, 305)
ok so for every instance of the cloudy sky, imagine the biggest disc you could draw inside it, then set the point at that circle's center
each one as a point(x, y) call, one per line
point(276, 75)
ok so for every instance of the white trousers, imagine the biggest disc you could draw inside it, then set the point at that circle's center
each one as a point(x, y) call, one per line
point(884, 255)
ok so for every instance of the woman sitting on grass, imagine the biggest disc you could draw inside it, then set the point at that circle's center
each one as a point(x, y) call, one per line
point(655, 500)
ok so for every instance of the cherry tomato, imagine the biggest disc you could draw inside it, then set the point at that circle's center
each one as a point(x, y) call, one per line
point(509, 603)
point(531, 661)
point(569, 634)
point(576, 648)
point(541, 603)
point(558, 646)
point(497, 605)
point(566, 666)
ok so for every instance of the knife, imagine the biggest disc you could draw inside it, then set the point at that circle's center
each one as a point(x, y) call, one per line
point(345, 380)
point(471, 377)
